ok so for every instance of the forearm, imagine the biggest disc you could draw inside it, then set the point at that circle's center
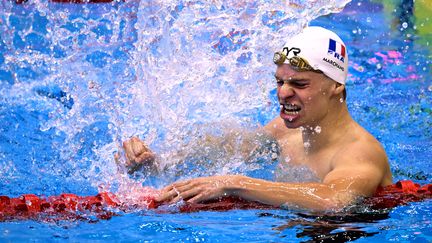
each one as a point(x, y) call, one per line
point(304, 195)
point(247, 146)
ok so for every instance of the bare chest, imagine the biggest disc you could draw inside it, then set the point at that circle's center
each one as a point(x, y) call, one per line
point(294, 153)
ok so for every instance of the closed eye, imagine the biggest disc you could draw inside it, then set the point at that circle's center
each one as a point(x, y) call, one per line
point(279, 82)
point(295, 82)
point(300, 84)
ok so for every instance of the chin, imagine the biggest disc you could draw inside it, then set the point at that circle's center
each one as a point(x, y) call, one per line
point(292, 122)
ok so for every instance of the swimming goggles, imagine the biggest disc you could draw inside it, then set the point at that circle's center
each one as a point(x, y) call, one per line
point(297, 62)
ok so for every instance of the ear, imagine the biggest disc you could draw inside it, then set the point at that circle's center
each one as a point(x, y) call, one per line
point(339, 88)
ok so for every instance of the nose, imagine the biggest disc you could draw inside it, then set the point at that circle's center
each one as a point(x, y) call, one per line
point(285, 91)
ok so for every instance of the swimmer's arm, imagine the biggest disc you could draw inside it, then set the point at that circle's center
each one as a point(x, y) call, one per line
point(259, 144)
point(337, 191)
point(356, 173)
point(353, 177)
point(249, 145)
point(333, 193)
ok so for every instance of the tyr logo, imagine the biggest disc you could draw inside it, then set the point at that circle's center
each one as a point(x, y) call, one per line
point(287, 50)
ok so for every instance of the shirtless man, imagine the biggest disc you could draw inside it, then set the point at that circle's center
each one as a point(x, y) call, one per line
point(314, 129)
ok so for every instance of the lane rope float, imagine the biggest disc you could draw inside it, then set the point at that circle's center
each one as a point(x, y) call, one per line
point(104, 205)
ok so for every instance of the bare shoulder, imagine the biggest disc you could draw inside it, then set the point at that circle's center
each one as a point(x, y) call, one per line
point(363, 151)
point(362, 148)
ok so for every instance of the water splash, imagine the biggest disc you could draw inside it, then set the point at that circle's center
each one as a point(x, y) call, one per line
point(104, 72)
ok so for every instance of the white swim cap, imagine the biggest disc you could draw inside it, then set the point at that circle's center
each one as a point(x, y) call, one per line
point(322, 49)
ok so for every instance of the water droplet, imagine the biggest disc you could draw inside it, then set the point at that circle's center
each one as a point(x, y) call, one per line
point(368, 19)
point(430, 88)
point(405, 25)
point(341, 100)
point(318, 129)
point(306, 144)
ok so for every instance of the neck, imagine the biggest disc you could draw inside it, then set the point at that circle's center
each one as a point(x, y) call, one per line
point(322, 134)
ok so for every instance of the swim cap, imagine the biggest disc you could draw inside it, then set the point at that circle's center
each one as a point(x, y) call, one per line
point(322, 49)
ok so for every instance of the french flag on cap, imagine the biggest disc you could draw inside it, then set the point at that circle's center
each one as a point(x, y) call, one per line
point(337, 47)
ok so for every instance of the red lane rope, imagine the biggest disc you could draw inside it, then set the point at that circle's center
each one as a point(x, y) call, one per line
point(400, 193)
point(104, 205)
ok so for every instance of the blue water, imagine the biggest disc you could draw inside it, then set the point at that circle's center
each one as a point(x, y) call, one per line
point(73, 87)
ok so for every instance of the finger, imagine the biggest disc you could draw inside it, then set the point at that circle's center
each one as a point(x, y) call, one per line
point(164, 197)
point(191, 193)
point(173, 190)
point(167, 196)
point(129, 152)
point(179, 184)
point(187, 187)
point(137, 147)
point(136, 139)
point(204, 196)
point(197, 198)
point(182, 195)
point(166, 189)
point(174, 186)
point(176, 199)
point(146, 157)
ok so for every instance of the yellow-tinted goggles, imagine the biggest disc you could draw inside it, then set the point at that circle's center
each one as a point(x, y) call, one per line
point(296, 62)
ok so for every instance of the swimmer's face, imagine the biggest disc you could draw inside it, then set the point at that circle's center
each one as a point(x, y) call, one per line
point(304, 96)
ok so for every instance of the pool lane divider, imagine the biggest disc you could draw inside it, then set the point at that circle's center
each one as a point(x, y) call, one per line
point(104, 205)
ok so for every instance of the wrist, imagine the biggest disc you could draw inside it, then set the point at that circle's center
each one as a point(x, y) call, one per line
point(234, 185)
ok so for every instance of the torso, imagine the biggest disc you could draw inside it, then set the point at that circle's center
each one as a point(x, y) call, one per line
point(315, 166)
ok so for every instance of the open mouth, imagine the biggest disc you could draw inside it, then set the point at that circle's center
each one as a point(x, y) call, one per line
point(290, 109)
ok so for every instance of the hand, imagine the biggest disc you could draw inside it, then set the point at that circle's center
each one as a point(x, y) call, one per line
point(137, 154)
point(199, 189)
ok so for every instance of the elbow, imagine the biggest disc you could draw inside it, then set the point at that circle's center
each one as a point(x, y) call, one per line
point(320, 205)
point(337, 202)
point(331, 205)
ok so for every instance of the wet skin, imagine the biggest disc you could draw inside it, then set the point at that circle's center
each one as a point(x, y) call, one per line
point(314, 129)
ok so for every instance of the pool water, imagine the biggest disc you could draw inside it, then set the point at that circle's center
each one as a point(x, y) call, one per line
point(76, 80)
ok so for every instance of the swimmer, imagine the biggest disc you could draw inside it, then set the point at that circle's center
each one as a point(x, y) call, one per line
point(314, 129)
